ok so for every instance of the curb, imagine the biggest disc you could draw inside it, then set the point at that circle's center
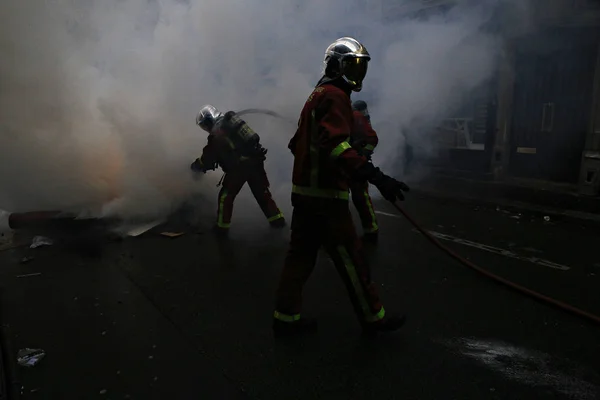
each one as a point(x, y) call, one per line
point(4, 364)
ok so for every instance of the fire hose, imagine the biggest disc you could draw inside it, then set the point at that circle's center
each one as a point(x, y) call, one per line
point(498, 279)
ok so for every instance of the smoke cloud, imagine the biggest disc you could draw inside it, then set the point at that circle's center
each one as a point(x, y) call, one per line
point(98, 98)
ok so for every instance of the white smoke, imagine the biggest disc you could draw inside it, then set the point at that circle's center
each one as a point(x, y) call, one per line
point(98, 98)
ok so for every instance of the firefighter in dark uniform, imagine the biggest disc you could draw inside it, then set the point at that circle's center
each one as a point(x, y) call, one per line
point(324, 165)
point(236, 148)
point(364, 140)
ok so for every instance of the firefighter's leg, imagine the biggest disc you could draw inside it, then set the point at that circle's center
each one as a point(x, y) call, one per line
point(232, 184)
point(259, 185)
point(346, 251)
point(364, 206)
point(299, 264)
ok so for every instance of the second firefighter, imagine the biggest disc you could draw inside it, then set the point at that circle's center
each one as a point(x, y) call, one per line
point(235, 147)
point(364, 140)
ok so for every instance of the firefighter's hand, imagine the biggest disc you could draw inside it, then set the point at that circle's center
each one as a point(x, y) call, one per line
point(390, 188)
point(197, 166)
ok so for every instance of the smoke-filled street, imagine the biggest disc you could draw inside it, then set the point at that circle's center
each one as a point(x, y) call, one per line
point(190, 317)
point(169, 170)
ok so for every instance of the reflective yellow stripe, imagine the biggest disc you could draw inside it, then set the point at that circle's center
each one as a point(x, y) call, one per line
point(358, 289)
point(220, 222)
point(373, 227)
point(285, 317)
point(230, 142)
point(275, 217)
point(316, 192)
point(339, 149)
point(380, 315)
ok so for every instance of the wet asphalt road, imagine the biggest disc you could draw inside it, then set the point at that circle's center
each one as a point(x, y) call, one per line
point(189, 317)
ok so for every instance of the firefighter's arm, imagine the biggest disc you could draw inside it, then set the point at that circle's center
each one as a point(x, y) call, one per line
point(335, 122)
point(371, 139)
point(334, 132)
point(208, 159)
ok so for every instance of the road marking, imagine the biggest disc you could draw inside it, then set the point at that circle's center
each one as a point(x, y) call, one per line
point(491, 249)
point(28, 275)
point(388, 214)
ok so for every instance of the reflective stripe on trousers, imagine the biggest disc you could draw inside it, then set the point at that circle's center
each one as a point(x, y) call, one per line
point(358, 288)
point(220, 222)
point(286, 318)
point(275, 217)
point(369, 204)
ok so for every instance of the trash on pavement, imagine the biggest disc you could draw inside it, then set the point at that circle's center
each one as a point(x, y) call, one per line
point(172, 234)
point(143, 228)
point(547, 218)
point(41, 241)
point(30, 357)
point(25, 260)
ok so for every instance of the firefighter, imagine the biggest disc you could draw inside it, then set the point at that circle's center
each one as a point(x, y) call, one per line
point(324, 165)
point(364, 140)
point(235, 147)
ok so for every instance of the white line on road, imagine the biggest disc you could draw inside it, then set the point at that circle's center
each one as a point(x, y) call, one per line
point(388, 214)
point(491, 249)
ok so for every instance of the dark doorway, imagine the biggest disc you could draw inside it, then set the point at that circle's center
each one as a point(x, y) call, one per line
point(552, 104)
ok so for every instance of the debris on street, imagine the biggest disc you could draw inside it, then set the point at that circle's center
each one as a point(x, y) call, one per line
point(25, 260)
point(547, 218)
point(39, 241)
point(137, 230)
point(172, 234)
point(30, 357)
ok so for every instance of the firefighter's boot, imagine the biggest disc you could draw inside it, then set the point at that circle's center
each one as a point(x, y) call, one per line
point(386, 325)
point(220, 232)
point(371, 237)
point(299, 327)
point(278, 223)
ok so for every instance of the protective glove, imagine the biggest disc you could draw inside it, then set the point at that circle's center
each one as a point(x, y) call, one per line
point(260, 152)
point(197, 166)
point(390, 188)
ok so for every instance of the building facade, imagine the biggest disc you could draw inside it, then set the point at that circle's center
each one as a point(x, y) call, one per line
point(538, 118)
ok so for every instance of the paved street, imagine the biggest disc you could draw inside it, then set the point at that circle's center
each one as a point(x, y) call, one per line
point(154, 317)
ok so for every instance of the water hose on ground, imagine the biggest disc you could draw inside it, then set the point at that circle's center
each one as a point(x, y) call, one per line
point(521, 289)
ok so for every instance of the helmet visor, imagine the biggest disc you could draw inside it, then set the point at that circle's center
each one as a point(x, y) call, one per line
point(355, 69)
point(206, 124)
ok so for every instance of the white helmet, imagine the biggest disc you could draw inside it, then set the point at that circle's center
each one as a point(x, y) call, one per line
point(207, 117)
point(347, 58)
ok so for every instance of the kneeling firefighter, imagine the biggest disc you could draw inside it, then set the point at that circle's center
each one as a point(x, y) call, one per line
point(364, 140)
point(236, 148)
point(325, 164)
